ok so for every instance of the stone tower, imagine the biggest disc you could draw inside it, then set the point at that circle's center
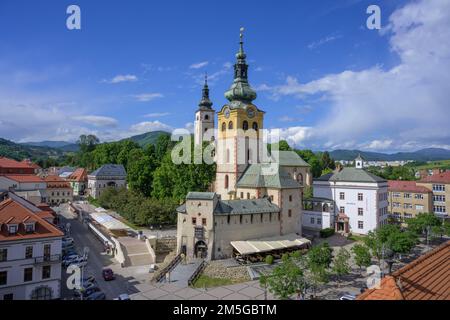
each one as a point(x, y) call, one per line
point(204, 118)
point(239, 123)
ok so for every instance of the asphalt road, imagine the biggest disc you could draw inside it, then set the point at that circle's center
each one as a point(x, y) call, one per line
point(97, 259)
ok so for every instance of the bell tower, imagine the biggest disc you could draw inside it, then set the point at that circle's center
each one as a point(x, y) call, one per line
point(239, 141)
point(204, 118)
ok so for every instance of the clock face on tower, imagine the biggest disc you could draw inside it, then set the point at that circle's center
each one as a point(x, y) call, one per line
point(226, 112)
point(250, 112)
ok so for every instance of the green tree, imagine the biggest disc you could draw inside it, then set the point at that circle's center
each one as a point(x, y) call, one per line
point(285, 280)
point(341, 263)
point(423, 223)
point(362, 255)
point(87, 143)
point(320, 256)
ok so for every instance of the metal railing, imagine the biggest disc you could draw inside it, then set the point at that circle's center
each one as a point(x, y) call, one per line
point(49, 258)
point(197, 273)
point(168, 268)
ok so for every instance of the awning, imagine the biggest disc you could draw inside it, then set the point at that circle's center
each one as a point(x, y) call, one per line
point(108, 221)
point(269, 244)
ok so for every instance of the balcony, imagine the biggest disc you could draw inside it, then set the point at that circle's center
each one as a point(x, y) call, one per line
point(47, 259)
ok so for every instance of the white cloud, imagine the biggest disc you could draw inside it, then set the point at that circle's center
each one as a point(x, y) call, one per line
point(198, 65)
point(145, 97)
point(156, 114)
point(147, 126)
point(320, 42)
point(98, 121)
point(407, 104)
point(122, 78)
point(286, 119)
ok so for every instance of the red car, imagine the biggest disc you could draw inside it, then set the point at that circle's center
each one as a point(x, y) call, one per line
point(108, 274)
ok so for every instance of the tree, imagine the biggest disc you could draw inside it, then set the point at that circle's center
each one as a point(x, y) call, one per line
point(87, 143)
point(308, 192)
point(320, 256)
point(341, 265)
point(326, 161)
point(285, 280)
point(423, 223)
point(362, 255)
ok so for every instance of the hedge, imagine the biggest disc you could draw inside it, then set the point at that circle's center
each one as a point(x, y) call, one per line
point(325, 233)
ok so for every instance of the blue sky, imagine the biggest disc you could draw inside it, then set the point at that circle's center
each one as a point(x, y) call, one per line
point(137, 66)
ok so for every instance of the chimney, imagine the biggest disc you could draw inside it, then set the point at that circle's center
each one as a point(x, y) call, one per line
point(339, 167)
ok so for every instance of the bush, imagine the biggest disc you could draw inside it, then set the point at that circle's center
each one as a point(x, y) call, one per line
point(269, 259)
point(325, 233)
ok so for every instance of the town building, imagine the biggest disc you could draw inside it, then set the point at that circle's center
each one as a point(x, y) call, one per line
point(407, 199)
point(58, 190)
point(426, 278)
point(349, 200)
point(256, 204)
point(78, 181)
point(30, 252)
point(439, 184)
point(107, 176)
point(22, 182)
point(10, 166)
point(204, 118)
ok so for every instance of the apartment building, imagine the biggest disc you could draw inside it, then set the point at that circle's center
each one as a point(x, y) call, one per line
point(58, 190)
point(439, 184)
point(30, 252)
point(407, 199)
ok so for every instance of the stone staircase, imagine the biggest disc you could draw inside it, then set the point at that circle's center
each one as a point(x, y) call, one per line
point(135, 252)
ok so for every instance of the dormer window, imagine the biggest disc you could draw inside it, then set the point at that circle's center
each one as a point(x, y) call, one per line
point(29, 227)
point(12, 229)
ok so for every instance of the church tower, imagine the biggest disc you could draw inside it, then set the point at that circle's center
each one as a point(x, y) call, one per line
point(239, 142)
point(204, 118)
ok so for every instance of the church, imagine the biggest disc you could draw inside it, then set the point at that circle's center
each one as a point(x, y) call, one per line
point(255, 207)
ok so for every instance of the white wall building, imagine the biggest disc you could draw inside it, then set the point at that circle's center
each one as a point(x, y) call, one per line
point(107, 176)
point(357, 201)
point(30, 252)
point(204, 118)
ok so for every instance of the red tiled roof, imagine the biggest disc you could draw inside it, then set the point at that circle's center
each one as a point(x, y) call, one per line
point(443, 177)
point(408, 186)
point(31, 164)
point(426, 278)
point(10, 163)
point(24, 177)
point(78, 175)
point(15, 212)
point(56, 182)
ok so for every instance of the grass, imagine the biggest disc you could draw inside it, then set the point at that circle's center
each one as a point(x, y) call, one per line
point(355, 237)
point(442, 164)
point(207, 282)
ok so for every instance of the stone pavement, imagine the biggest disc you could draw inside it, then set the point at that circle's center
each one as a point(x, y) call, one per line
point(171, 291)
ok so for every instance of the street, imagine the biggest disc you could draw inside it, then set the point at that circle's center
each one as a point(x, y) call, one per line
point(97, 259)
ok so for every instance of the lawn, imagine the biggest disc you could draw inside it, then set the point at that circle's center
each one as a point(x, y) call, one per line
point(443, 164)
point(355, 237)
point(207, 282)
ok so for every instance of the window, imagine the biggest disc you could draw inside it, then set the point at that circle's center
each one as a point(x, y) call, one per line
point(341, 195)
point(319, 220)
point(439, 209)
point(289, 213)
point(360, 211)
point(194, 221)
point(312, 220)
point(360, 225)
point(27, 274)
point(419, 207)
point(439, 198)
point(3, 278)
point(226, 181)
point(418, 196)
point(407, 206)
point(290, 198)
point(396, 204)
point(29, 227)
point(3, 255)
point(407, 195)
point(12, 229)
point(46, 272)
point(204, 221)
point(271, 198)
point(224, 126)
point(248, 195)
point(47, 249)
point(206, 117)
point(255, 126)
point(360, 197)
point(29, 252)
point(438, 187)
point(407, 216)
point(396, 194)
point(242, 195)
point(342, 210)
point(230, 125)
point(245, 125)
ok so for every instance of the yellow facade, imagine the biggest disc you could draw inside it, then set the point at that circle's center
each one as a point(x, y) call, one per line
point(236, 118)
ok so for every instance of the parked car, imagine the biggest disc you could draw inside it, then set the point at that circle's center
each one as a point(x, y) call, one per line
point(86, 292)
point(69, 259)
point(67, 240)
point(78, 261)
point(96, 296)
point(348, 297)
point(67, 246)
point(108, 274)
point(68, 253)
point(89, 279)
point(123, 296)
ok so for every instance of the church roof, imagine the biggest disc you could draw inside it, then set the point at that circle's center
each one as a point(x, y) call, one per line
point(200, 195)
point(266, 176)
point(289, 159)
point(350, 174)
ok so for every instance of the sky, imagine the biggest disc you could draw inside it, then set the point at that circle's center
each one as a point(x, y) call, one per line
point(322, 77)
